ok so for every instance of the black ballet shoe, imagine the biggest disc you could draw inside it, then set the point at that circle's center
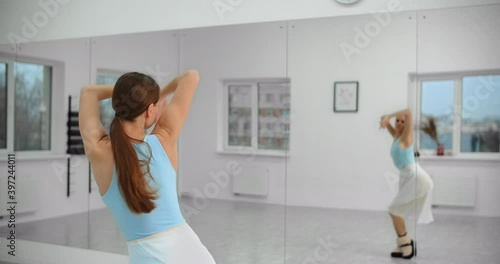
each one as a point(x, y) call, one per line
point(413, 244)
point(413, 251)
point(396, 254)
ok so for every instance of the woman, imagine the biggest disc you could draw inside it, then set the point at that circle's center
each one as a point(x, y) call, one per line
point(415, 185)
point(135, 172)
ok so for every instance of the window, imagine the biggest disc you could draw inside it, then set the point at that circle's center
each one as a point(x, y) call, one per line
point(480, 114)
point(257, 115)
point(466, 107)
point(437, 101)
point(33, 84)
point(106, 111)
point(240, 115)
point(28, 86)
point(274, 112)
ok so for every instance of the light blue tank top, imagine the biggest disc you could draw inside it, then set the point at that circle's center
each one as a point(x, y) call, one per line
point(402, 157)
point(167, 213)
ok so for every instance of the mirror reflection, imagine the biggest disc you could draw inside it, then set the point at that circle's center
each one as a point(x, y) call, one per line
point(50, 186)
point(234, 129)
point(457, 101)
point(350, 198)
point(350, 139)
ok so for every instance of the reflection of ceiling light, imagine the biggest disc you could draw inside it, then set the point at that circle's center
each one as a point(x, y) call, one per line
point(347, 1)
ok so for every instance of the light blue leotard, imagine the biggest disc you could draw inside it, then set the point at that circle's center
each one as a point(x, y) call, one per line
point(402, 157)
point(167, 213)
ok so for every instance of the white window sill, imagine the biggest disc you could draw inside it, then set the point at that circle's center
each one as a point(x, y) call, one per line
point(20, 156)
point(268, 153)
point(461, 157)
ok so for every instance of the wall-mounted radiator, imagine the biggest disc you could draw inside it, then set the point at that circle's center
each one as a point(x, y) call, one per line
point(454, 190)
point(251, 181)
point(27, 195)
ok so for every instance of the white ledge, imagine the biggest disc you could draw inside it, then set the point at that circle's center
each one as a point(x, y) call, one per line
point(20, 156)
point(268, 153)
point(461, 158)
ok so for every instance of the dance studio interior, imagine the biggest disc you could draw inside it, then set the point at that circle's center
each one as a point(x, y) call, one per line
point(282, 157)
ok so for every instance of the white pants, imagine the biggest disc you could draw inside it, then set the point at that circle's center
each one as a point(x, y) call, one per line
point(178, 245)
point(415, 194)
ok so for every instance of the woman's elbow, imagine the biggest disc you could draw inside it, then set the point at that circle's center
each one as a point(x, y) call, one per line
point(84, 90)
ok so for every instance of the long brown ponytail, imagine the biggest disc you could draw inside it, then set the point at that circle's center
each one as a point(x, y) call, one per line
point(132, 95)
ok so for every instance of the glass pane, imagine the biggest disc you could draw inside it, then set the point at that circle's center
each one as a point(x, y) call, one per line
point(106, 112)
point(3, 105)
point(274, 113)
point(51, 193)
point(451, 41)
point(32, 106)
point(438, 108)
point(480, 114)
point(341, 180)
point(240, 115)
point(233, 200)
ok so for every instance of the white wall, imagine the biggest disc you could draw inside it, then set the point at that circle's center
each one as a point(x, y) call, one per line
point(87, 18)
point(459, 39)
point(322, 170)
point(337, 160)
point(6, 48)
point(244, 51)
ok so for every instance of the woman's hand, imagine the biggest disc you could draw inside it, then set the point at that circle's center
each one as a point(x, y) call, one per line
point(162, 104)
point(384, 121)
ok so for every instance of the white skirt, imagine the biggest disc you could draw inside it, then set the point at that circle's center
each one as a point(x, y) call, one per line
point(415, 194)
point(178, 245)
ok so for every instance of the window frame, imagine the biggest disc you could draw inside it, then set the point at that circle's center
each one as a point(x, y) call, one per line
point(253, 149)
point(416, 80)
point(56, 94)
point(4, 58)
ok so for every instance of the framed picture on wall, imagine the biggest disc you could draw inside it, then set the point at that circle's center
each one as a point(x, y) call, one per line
point(345, 96)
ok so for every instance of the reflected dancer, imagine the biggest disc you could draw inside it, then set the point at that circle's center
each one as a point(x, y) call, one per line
point(415, 185)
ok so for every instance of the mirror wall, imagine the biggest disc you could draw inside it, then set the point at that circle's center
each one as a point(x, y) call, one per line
point(281, 159)
point(232, 149)
point(458, 85)
point(238, 136)
point(50, 188)
point(347, 72)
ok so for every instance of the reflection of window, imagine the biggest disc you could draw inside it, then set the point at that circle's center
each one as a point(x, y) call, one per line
point(480, 114)
point(106, 111)
point(437, 101)
point(33, 85)
point(27, 88)
point(467, 110)
point(3, 105)
point(257, 115)
point(240, 115)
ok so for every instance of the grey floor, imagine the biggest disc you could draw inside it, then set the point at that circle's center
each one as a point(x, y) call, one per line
point(238, 232)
